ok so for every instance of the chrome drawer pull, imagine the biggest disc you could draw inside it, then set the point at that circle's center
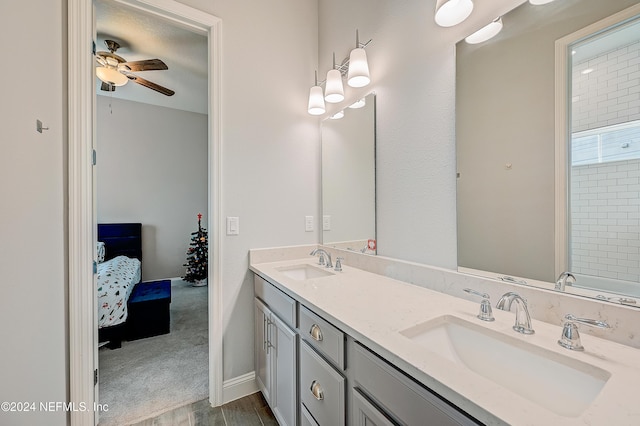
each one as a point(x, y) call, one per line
point(316, 333)
point(317, 391)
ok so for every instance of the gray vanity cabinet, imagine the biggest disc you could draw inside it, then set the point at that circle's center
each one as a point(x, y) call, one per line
point(341, 381)
point(384, 395)
point(276, 352)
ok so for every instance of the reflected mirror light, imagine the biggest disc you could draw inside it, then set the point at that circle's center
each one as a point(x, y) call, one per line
point(485, 33)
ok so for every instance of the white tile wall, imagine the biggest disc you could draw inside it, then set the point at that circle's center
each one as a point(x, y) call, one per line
point(605, 220)
point(610, 94)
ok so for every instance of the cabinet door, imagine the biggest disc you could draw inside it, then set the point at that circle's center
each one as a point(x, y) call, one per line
point(262, 349)
point(283, 353)
point(366, 414)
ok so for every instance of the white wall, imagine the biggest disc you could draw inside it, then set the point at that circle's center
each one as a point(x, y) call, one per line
point(270, 146)
point(152, 168)
point(33, 319)
point(412, 63)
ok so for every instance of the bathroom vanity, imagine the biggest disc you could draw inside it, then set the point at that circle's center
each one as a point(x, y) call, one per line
point(355, 347)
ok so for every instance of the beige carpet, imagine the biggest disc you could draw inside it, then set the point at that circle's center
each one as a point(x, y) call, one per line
point(149, 376)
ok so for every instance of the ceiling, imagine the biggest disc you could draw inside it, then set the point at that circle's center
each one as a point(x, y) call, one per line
point(145, 36)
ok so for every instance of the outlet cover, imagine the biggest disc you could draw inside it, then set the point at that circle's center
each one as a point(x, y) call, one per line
point(326, 222)
point(233, 225)
point(308, 223)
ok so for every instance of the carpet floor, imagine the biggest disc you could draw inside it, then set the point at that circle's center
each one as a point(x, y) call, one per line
point(149, 376)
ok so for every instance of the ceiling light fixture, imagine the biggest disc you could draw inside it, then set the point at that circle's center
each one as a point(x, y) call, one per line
point(110, 74)
point(539, 2)
point(485, 33)
point(338, 115)
point(452, 12)
point(316, 100)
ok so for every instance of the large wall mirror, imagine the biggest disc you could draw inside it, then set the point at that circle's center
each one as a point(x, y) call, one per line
point(349, 177)
point(507, 202)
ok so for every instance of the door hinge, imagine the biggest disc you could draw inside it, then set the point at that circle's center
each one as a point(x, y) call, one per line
point(93, 47)
point(95, 377)
point(94, 157)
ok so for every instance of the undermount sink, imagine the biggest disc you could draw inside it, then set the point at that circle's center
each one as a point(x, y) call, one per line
point(560, 384)
point(303, 272)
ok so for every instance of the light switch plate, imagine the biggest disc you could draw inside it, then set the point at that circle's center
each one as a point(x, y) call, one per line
point(308, 223)
point(326, 222)
point(233, 225)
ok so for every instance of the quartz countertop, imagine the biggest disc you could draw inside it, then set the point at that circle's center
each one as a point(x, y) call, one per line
point(373, 309)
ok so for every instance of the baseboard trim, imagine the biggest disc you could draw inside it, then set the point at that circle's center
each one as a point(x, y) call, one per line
point(239, 387)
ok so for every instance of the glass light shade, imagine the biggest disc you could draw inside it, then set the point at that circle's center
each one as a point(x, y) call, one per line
point(334, 91)
point(452, 12)
point(316, 101)
point(358, 104)
point(539, 2)
point(485, 33)
point(111, 76)
point(358, 75)
point(338, 115)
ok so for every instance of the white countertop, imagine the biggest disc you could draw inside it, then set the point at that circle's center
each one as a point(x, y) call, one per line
point(373, 309)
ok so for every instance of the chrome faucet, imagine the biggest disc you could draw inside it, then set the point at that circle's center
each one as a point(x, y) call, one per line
point(322, 253)
point(523, 319)
point(561, 282)
point(570, 337)
point(485, 313)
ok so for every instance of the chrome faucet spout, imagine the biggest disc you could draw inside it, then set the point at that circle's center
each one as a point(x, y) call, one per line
point(322, 252)
point(561, 282)
point(523, 319)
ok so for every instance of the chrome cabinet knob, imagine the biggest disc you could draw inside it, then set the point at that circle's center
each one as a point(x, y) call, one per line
point(316, 333)
point(316, 390)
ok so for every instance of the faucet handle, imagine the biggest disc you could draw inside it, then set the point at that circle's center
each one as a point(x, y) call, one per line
point(485, 314)
point(321, 259)
point(570, 338)
point(338, 267)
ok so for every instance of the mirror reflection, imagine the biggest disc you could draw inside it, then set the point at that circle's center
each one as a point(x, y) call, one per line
point(348, 178)
point(505, 142)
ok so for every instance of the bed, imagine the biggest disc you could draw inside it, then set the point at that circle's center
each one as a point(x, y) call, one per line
point(119, 270)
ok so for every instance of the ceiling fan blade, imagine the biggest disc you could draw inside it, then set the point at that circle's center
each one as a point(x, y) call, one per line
point(108, 87)
point(146, 65)
point(151, 85)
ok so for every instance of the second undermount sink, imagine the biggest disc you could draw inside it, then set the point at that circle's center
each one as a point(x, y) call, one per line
point(558, 383)
point(303, 272)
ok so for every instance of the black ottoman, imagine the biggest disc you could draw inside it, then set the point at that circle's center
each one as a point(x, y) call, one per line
point(148, 308)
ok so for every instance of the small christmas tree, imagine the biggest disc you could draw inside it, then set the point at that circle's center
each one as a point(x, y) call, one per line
point(197, 269)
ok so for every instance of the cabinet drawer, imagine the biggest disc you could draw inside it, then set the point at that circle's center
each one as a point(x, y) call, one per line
point(306, 419)
point(323, 336)
point(402, 399)
point(278, 302)
point(322, 388)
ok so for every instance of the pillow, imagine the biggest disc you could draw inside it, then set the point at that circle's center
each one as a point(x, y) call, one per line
point(100, 250)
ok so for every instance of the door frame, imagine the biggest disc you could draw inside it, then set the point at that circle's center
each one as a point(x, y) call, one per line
point(81, 224)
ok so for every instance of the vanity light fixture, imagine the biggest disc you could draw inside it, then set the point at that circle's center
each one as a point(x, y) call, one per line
point(452, 12)
point(358, 74)
point(316, 100)
point(539, 2)
point(355, 68)
point(358, 104)
point(334, 90)
point(485, 33)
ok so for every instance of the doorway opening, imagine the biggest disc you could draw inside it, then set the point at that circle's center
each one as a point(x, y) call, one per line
point(82, 214)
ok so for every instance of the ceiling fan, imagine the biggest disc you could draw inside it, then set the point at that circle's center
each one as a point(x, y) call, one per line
point(115, 71)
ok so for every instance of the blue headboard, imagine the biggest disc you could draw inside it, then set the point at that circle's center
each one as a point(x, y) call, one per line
point(121, 239)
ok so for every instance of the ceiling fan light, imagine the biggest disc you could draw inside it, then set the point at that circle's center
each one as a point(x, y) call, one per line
point(358, 75)
point(111, 76)
point(452, 12)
